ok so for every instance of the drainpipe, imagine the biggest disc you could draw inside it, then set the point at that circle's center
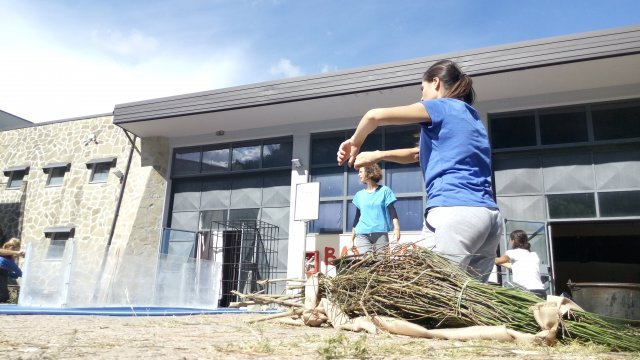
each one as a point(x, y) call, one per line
point(123, 181)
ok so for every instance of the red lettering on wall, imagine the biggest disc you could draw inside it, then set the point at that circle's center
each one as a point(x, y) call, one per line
point(344, 251)
point(329, 254)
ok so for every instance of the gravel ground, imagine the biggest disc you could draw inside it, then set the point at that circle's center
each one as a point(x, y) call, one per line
point(231, 336)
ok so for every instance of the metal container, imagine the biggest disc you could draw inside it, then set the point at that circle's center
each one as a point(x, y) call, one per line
point(620, 300)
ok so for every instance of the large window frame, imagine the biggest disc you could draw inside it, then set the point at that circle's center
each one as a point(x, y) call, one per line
point(232, 196)
point(338, 185)
point(231, 158)
point(593, 142)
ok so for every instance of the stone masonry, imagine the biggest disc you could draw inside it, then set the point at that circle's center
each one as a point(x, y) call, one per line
point(89, 208)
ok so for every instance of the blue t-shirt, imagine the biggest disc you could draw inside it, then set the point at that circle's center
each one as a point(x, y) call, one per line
point(13, 271)
point(455, 155)
point(374, 214)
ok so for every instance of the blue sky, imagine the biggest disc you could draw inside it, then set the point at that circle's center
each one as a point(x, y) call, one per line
point(64, 59)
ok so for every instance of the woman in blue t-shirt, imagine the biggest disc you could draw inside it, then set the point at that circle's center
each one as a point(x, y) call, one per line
point(375, 213)
point(462, 220)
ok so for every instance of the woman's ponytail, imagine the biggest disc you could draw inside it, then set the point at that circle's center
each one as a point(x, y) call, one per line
point(457, 84)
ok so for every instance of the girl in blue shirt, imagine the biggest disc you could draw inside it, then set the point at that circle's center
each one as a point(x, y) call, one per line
point(8, 267)
point(375, 214)
point(462, 221)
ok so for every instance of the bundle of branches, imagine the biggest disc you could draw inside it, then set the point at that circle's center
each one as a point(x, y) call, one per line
point(425, 288)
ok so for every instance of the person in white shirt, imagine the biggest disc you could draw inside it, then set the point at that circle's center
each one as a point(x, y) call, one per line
point(524, 263)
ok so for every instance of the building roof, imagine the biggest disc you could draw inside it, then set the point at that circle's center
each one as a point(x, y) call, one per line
point(10, 121)
point(492, 60)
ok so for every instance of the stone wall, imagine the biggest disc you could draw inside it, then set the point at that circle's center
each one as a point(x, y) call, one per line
point(88, 207)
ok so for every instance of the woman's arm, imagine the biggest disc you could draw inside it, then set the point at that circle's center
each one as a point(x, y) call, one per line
point(7, 252)
point(400, 156)
point(399, 115)
point(356, 219)
point(393, 214)
point(502, 260)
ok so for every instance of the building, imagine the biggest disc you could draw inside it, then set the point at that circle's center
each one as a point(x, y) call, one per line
point(563, 115)
point(10, 121)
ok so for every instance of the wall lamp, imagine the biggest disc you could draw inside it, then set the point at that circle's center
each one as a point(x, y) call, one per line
point(119, 175)
point(296, 163)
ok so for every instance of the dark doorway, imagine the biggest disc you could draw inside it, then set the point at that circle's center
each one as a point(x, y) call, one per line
point(596, 252)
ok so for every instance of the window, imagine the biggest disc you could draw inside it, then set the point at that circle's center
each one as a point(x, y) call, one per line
point(232, 157)
point(616, 121)
point(56, 173)
point(513, 131)
point(58, 241)
point(212, 160)
point(100, 169)
point(563, 126)
point(16, 176)
point(15, 180)
point(246, 157)
point(566, 206)
point(582, 159)
point(186, 161)
point(619, 203)
point(610, 122)
point(338, 184)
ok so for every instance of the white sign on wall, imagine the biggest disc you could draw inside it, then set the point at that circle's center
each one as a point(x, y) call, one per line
point(307, 201)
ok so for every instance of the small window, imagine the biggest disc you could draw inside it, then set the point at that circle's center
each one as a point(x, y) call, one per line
point(16, 176)
point(619, 203)
point(565, 206)
point(324, 148)
point(277, 154)
point(56, 176)
point(58, 241)
point(186, 161)
point(100, 169)
point(616, 121)
point(329, 219)
point(246, 157)
point(15, 179)
point(57, 246)
point(100, 173)
point(212, 160)
point(563, 126)
point(513, 131)
point(56, 173)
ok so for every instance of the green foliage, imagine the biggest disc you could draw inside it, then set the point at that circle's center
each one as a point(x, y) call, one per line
point(340, 346)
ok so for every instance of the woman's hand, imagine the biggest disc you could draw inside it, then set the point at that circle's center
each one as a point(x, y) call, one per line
point(347, 151)
point(396, 234)
point(366, 158)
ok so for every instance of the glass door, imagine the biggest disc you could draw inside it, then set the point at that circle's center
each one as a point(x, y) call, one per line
point(540, 241)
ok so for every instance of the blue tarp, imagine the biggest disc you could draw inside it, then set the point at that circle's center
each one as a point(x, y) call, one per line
point(124, 311)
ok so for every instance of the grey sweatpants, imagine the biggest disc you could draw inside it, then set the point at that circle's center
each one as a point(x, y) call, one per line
point(367, 243)
point(466, 235)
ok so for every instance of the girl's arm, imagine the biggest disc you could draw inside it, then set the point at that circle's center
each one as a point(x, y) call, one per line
point(400, 156)
point(7, 252)
point(399, 115)
point(502, 260)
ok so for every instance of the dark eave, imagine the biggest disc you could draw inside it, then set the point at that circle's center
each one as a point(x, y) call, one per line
point(491, 60)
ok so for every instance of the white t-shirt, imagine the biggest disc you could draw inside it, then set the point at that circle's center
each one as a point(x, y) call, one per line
point(526, 268)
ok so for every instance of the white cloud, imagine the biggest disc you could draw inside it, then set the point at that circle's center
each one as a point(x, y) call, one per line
point(135, 45)
point(43, 80)
point(286, 69)
point(328, 68)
